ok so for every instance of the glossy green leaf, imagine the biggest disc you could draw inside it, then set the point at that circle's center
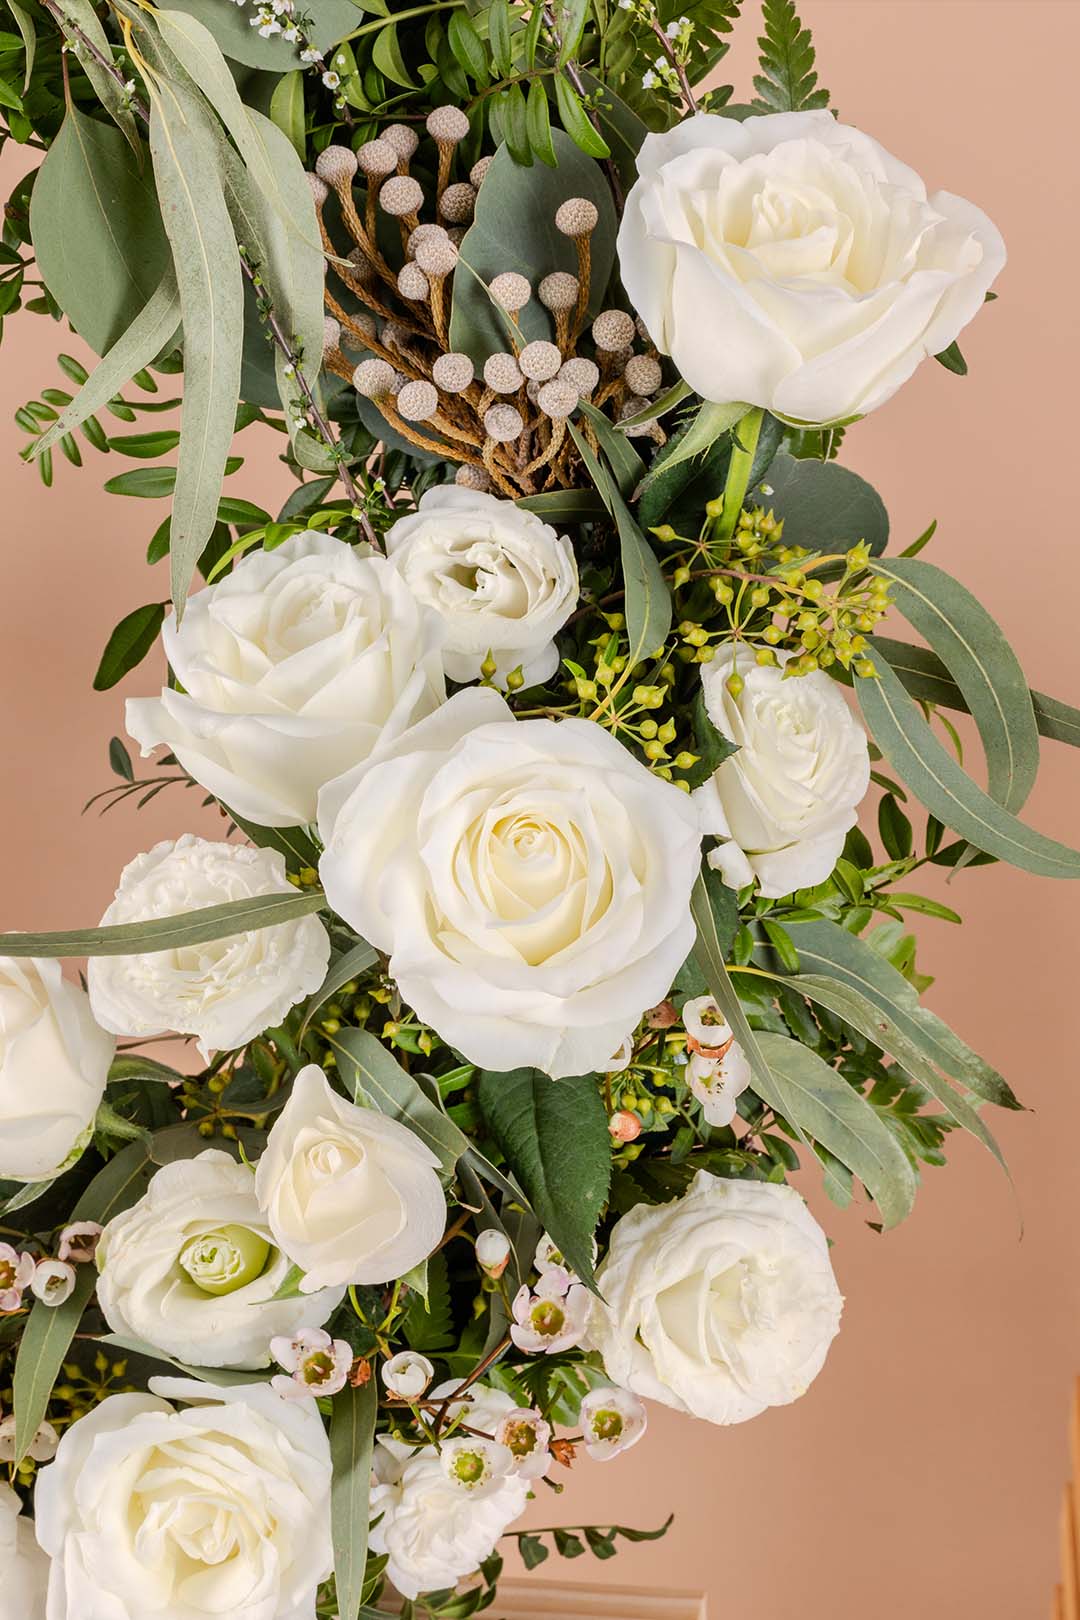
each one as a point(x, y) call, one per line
point(129, 644)
point(538, 124)
point(387, 56)
point(170, 933)
point(499, 37)
point(467, 46)
point(576, 121)
point(352, 1440)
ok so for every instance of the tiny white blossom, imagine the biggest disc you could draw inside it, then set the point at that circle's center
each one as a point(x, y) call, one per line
point(315, 1364)
point(407, 1374)
point(79, 1241)
point(475, 1465)
point(16, 1270)
point(310, 54)
point(331, 79)
point(674, 29)
point(549, 1319)
point(648, 80)
point(42, 1446)
point(527, 1436)
point(612, 1420)
point(52, 1282)
point(292, 33)
point(492, 1252)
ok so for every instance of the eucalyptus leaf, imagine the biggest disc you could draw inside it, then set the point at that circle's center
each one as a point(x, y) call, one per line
point(370, 1071)
point(623, 459)
point(565, 505)
point(330, 21)
point(825, 507)
point(352, 1440)
point(928, 680)
point(171, 933)
point(80, 14)
point(342, 968)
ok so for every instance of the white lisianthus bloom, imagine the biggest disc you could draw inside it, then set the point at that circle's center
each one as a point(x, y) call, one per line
point(221, 1507)
point(432, 1531)
point(225, 992)
point(792, 262)
point(192, 1269)
point(24, 1567)
point(293, 667)
point(784, 803)
point(501, 579)
point(350, 1195)
point(54, 1061)
point(719, 1304)
point(529, 879)
point(612, 1420)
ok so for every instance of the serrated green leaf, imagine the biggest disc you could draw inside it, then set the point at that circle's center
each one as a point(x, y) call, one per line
point(787, 81)
point(708, 424)
point(171, 933)
point(352, 1440)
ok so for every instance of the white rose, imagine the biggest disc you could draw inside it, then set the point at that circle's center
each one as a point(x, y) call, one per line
point(791, 262)
point(219, 1508)
point(54, 1061)
point(24, 1565)
point(225, 992)
point(293, 667)
point(720, 1303)
point(432, 1530)
point(350, 1195)
point(192, 1269)
point(529, 879)
point(786, 801)
point(501, 579)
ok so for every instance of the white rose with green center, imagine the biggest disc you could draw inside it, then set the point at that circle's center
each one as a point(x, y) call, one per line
point(192, 1269)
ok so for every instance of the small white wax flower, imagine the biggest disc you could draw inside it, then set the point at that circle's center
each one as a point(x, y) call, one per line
point(545, 1321)
point(475, 1465)
point(708, 1029)
point(621, 1058)
point(718, 1082)
point(79, 1241)
point(492, 1252)
point(527, 1436)
point(407, 1374)
point(42, 1446)
point(52, 1282)
point(315, 1364)
point(612, 1420)
point(16, 1271)
point(549, 1257)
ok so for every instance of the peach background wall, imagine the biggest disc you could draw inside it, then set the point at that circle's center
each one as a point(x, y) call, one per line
point(922, 1473)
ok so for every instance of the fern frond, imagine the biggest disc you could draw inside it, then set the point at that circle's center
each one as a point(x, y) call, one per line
point(787, 81)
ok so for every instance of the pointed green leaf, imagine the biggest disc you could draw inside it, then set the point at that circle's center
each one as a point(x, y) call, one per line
point(343, 968)
point(171, 933)
point(129, 644)
point(372, 1073)
point(927, 679)
point(109, 92)
point(352, 1440)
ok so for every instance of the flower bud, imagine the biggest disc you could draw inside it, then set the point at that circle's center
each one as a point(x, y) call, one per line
point(492, 1252)
point(407, 1375)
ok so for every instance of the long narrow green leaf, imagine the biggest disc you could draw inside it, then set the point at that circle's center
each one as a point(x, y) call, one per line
point(151, 332)
point(184, 151)
point(372, 1072)
point(352, 1438)
point(25, 24)
point(985, 668)
point(709, 955)
point(170, 933)
point(945, 788)
point(626, 464)
point(82, 15)
point(927, 679)
point(341, 970)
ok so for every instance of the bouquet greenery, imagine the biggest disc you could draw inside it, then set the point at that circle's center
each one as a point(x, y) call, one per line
point(542, 944)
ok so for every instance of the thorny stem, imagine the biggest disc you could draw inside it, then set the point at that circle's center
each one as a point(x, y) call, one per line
point(316, 419)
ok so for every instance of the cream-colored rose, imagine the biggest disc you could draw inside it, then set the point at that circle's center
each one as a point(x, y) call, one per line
point(192, 1269)
point(784, 803)
point(720, 1303)
point(292, 668)
point(224, 992)
point(217, 1508)
point(24, 1568)
point(792, 262)
point(54, 1061)
point(501, 580)
point(349, 1195)
point(529, 879)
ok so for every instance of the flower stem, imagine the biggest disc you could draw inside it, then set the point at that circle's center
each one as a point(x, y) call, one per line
point(745, 435)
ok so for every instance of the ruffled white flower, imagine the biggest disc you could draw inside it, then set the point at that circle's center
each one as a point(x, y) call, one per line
point(293, 667)
point(53, 1281)
point(315, 1364)
point(225, 992)
point(350, 1195)
point(407, 1375)
point(612, 1420)
point(529, 879)
point(553, 1318)
point(192, 1269)
point(721, 1303)
point(54, 1061)
point(24, 1568)
point(431, 1530)
point(784, 803)
point(792, 262)
point(501, 579)
point(219, 1508)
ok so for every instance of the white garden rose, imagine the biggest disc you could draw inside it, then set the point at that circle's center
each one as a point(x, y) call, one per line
point(54, 1061)
point(433, 1530)
point(192, 1269)
point(529, 879)
point(784, 803)
point(791, 262)
point(24, 1568)
point(350, 1195)
point(292, 668)
point(720, 1303)
point(224, 992)
point(218, 1508)
point(501, 579)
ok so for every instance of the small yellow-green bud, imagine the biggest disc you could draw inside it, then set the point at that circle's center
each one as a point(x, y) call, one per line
point(734, 683)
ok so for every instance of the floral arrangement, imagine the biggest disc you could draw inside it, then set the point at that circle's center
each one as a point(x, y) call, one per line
point(541, 943)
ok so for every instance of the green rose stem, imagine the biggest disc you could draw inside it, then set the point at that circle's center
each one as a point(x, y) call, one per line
point(316, 419)
point(744, 435)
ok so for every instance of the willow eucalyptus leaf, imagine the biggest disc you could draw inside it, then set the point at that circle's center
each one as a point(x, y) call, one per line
point(352, 1440)
point(170, 933)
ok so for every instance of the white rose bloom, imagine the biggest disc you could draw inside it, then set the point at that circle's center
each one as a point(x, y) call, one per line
point(192, 1269)
point(54, 1061)
point(432, 1531)
point(24, 1565)
point(293, 667)
point(502, 580)
point(786, 801)
point(225, 992)
point(529, 879)
point(350, 1195)
point(792, 262)
point(219, 1508)
point(720, 1303)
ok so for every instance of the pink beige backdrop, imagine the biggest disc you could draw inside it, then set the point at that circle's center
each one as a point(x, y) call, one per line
point(922, 1473)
